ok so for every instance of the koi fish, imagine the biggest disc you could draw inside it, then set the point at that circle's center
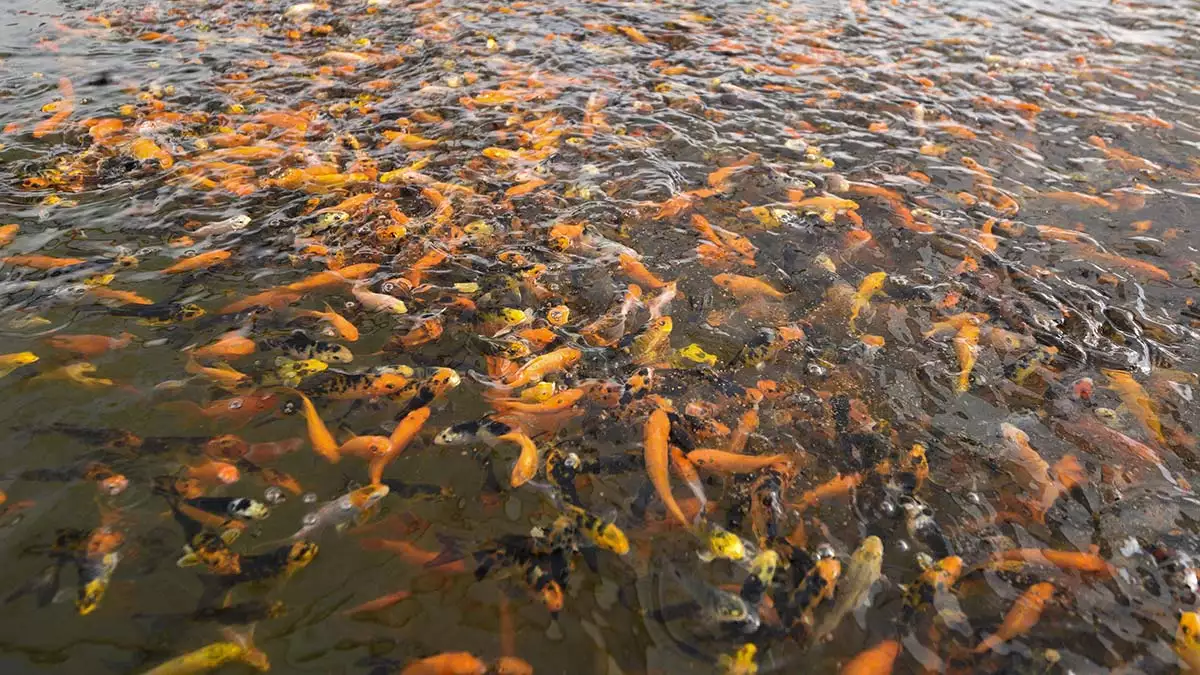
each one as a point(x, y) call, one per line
point(323, 442)
point(541, 366)
point(871, 285)
point(340, 512)
point(657, 458)
point(404, 433)
point(732, 462)
point(877, 660)
point(1136, 400)
point(449, 663)
point(1187, 640)
point(860, 575)
point(10, 362)
point(199, 262)
point(747, 288)
point(1024, 615)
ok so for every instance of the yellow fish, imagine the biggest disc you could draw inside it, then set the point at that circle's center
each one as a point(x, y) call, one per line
point(1136, 401)
point(872, 284)
point(10, 362)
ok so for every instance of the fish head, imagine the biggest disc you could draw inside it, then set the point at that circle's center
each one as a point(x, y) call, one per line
point(950, 566)
point(538, 392)
point(444, 379)
point(726, 544)
point(559, 242)
point(333, 353)
point(248, 508)
point(302, 553)
point(610, 537)
point(696, 354)
point(459, 434)
point(1013, 434)
point(190, 311)
point(24, 358)
point(90, 596)
point(872, 547)
point(1187, 635)
point(661, 326)
point(513, 316)
point(387, 384)
point(558, 315)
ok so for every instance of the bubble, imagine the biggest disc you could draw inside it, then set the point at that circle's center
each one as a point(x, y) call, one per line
point(274, 495)
point(309, 498)
point(902, 545)
point(974, 498)
point(310, 519)
point(887, 508)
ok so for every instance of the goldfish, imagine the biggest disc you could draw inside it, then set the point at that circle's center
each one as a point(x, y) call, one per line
point(1079, 561)
point(119, 297)
point(222, 373)
point(41, 262)
point(346, 330)
point(211, 657)
point(747, 288)
point(404, 433)
point(8, 233)
point(732, 462)
point(301, 347)
point(860, 575)
point(934, 584)
point(870, 286)
point(274, 298)
point(323, 442)
point(637, 272)
point(966, 347)
point(1024, 615)
point(291, 372)
point(199, 261)
point(1024, 456)
point(1136, 400)
point(657, 456)
point(11, 362)
point(1187, 640)
point(719, 543)
point(79, 373)
point(877, 660)
point(741, 662)
point(230, 345)
point(449, 663)
point(649, 344)
point(542, 366)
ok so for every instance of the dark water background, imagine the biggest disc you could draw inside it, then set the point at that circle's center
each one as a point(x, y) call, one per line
point(1090, 66)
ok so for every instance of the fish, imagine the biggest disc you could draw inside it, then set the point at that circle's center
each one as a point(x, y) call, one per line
point(301, 347)
point(449, 663)
point(199, 261)
point(95, 576)
point(1024, 615)
point(719, 606)
point(340, 512)
point(345, 329)
point(11, 362)
point(1137, 401)
point(719, 543)
point(88, 346)
point(934, 585)
point(966, 347)
point(871, 285)
point(657, 457)
point(1187, 640)
point(542, 366)
point(404, 433)
point(651, 343)
point(225, 226)
point(741, 662)
point(731, 462)
point(637, 272)
point(747, 288)
point(165, 314)
point(231, 345)
point(876, 660)
point(322, 440)
point(378, 302)
point(855, 585)
point(210, 657)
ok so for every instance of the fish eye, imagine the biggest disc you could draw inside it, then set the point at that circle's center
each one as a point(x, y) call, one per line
point(350, 304)
point(389, 287)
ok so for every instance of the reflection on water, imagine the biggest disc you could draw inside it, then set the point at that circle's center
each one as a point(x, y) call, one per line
point(606, 337)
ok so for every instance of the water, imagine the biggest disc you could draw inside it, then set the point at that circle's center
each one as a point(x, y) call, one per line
point(1004, 115)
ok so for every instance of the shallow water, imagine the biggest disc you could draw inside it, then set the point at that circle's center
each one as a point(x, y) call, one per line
point(961, 131)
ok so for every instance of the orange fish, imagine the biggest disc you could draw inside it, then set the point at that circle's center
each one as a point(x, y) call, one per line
point(8, 233)
point(1079, 199)
point(1136, 400)
point(635, 270)
point(272, 298)
point(526, 466)
point(557, 403)
point(525, 188)
point(366, 447)
point(41, 262)
point(231, 345)
point(346, 330)
point(450, 663)
point(214, 472)
point(380, 603)
point(322, 441)
point(222, 374)
point(1140, 268)
point(838, 485)
point(878, 660)
point(746, 426)
point(686, 470)
point(747, 288)
point(198, 262)
point(541, 366)
point(414, 555)
point(731, 462)
point(1024, 615)
point(89, 345)
point(1078, 561)
point(657, 457)
point(402, 435)
point(717, 178)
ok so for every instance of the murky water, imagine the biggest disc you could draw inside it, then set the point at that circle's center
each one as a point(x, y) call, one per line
point(875, 227)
